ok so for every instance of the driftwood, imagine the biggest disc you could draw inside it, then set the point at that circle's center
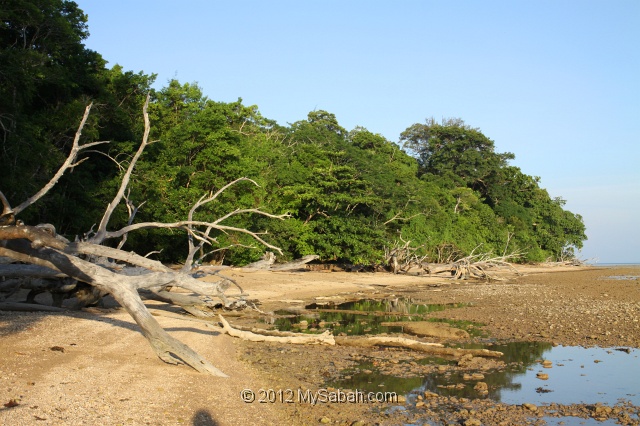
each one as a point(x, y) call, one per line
point(475, 266)
point(267, 263)
point(402, 257)
point(125, 274)
point(29, 307)
point(261, 335)
point(416, 345)
point(325, 338)
point(294, 264)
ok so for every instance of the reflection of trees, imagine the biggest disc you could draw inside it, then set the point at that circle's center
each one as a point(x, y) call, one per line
point(517, 355)
point(350, 324)
point(376, 382)
point(400, 305)
point(358, 325)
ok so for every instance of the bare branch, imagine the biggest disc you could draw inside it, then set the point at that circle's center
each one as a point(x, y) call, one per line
point(133, 210)
point(8, 216)
point(69, 163)
point(102, 228)
point(193, 249)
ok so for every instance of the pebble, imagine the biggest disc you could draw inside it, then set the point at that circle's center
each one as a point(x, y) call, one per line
point(481, 387)
point(530, 407)
point(542, 376)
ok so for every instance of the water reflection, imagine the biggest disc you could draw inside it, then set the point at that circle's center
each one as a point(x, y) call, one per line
point(366, 316)
point(577, 375)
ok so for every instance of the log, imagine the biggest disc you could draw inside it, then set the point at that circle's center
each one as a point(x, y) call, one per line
point(48, 256)
point(325, 338)
point(430, 348)
point(294, 264)
point(29, 307)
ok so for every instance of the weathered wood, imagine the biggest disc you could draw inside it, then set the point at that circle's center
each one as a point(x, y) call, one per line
point(430, 348)
point(29, 307)
point(92, 263)
point(325, 338)
point(294, 264)
point(265, 263)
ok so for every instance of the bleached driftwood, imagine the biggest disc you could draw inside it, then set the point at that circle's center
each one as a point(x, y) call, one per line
point(475, 266)
point(325, 338)
point(126, 273)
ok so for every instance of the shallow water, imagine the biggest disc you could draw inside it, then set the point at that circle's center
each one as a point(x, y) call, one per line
point(375, 313)
point(578, 375)
point(622, 277)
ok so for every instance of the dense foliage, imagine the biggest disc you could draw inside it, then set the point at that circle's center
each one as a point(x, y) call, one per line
point(350, 193)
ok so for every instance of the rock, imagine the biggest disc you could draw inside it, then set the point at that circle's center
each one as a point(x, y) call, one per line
point(359, 423)
point(602, 411)
point(433, 329)
point(530, 407)
point(472, 422)
point(547, 364)
point(400, 399)
point(477, 376)
point(542, 376)
point(325, 420)
point(481, 387)
point(428, 394)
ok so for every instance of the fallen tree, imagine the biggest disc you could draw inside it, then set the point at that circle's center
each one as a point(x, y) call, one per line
point(32, 253)
point(479, 266)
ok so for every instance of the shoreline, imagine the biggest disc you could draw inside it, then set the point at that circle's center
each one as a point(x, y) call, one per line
point(109, 374)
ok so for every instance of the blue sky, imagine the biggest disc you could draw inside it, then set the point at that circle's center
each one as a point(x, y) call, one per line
point(555, 82)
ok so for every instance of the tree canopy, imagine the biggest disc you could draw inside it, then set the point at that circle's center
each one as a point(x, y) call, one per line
point(350, 193)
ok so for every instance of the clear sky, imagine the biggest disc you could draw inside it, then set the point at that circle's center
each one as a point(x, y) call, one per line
point(556, 82)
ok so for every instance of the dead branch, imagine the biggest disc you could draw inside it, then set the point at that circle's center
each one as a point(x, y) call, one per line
point(122, 274)
point(102, 228)
point(476, 266)
point(294, 264)
point(69, 163)
point(402, 257)
point(325, 338)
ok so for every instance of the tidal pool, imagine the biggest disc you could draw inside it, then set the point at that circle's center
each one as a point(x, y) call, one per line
point(577, 375)
point(366, 316)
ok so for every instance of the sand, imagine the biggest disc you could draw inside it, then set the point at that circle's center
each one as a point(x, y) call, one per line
point(95, 367)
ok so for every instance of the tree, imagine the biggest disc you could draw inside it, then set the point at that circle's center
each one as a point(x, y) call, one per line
point(45, 70)
point(121, 273)
point(454, 147)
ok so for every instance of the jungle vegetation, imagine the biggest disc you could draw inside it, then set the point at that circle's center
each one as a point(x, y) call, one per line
point(350, 193)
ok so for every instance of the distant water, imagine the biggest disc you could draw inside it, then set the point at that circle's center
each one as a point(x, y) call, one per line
point(633, 264)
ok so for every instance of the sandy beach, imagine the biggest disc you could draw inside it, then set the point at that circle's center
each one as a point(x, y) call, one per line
point(94, 367)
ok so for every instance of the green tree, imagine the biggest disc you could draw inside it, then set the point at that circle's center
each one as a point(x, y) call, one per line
point(456, 148)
